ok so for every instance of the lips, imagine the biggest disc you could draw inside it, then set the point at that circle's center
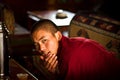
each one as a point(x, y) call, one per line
point(45, 55)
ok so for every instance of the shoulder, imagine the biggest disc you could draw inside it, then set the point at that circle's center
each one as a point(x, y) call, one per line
point(84, 44)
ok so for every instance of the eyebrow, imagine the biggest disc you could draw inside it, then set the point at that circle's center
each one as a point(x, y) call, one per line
point(41, 38)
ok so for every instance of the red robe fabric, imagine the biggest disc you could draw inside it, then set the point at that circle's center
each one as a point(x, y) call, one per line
point(85, 59)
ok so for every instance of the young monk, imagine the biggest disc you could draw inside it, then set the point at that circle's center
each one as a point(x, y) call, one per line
point(73, 58)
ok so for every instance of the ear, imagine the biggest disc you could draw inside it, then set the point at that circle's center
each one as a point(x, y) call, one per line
point(58, 35)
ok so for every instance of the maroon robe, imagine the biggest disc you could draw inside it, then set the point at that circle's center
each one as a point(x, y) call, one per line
point(85, 59)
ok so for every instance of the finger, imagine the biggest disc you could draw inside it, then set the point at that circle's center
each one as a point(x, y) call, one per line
point(41, 57)
point(48, 57)
point(54, 67)
point(54, 62)
point(51, 60)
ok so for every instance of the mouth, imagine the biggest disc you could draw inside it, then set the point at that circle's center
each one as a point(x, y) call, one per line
point(45, 55)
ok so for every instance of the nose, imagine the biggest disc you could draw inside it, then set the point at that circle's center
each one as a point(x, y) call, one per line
point(42, 47)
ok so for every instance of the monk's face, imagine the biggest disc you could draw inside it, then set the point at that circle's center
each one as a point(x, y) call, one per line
point(45, 42)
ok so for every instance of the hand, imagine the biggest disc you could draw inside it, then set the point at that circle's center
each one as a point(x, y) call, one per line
point(50, 62)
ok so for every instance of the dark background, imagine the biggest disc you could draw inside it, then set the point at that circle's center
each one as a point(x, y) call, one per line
point(20, 7)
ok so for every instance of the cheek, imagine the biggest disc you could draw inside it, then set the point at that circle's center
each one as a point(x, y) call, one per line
point(53, 46)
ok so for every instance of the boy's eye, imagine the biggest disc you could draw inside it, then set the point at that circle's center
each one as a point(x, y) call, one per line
point(44, 40)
